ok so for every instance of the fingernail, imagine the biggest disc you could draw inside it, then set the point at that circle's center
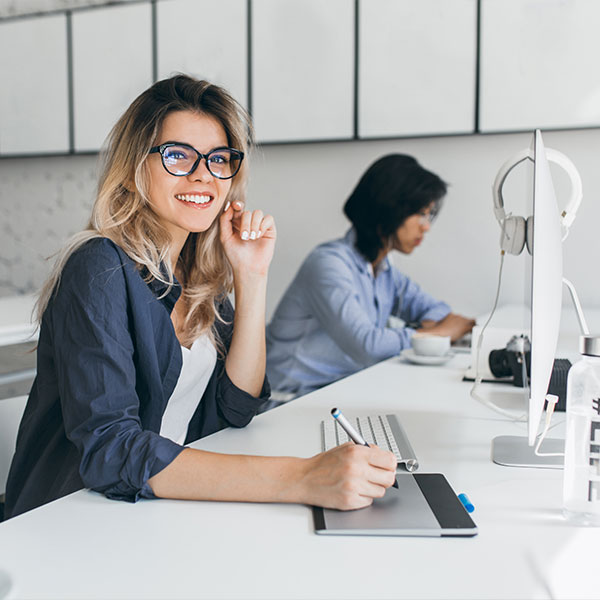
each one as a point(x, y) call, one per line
point(245, 235)
point(253, 235)
point(259, 233)
point(227, 206)
point(238, 204)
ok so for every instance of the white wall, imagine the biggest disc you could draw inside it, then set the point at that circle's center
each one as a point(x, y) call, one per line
point(44, 200)
point(305, 187)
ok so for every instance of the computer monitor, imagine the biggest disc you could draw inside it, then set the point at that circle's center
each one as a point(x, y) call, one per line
point(544, 235)
point(545, 245)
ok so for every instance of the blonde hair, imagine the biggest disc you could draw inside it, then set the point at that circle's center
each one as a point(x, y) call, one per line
point(122, 212)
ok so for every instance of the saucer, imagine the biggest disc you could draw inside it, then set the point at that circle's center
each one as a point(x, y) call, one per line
point(419, 359)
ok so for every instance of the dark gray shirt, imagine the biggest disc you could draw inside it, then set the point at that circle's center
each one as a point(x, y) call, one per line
point(107, 363)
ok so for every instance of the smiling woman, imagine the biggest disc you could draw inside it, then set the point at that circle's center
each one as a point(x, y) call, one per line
point(140, 351)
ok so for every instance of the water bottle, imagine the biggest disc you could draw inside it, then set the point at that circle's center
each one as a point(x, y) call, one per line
point(581, 488)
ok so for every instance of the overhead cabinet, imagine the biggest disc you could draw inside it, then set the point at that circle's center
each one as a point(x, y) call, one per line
point(307, 70)
point(34, 88)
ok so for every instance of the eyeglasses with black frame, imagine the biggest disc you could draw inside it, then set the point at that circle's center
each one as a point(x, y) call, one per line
point(180, 159)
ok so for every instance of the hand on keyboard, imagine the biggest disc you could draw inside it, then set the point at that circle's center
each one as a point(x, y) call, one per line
point(349, 476)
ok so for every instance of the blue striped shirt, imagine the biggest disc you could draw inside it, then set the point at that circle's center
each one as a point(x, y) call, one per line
point(333, 319)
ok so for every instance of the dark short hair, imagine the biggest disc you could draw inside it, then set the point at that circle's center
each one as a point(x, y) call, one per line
point(392, 189)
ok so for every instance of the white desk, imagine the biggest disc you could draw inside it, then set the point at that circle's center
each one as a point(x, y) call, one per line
point(17, 326)
point(85, 546)
point(16, 319)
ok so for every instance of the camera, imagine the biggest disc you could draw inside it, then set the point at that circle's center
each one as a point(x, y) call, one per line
point(513, 361)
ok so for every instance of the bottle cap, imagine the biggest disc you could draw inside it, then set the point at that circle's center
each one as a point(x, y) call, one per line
point(589, 345)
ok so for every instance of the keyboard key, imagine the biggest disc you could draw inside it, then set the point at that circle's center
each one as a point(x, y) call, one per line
point(375, 429)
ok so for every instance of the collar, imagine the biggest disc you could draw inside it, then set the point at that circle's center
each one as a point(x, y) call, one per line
point(361, 262)
point(161, 289)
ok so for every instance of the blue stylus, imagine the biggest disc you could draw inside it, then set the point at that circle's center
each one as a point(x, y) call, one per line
point(466, 502)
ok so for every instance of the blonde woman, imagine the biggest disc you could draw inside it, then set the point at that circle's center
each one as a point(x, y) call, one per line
point(140, 351)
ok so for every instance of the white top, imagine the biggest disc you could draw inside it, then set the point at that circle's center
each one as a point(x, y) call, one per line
point(198, 364)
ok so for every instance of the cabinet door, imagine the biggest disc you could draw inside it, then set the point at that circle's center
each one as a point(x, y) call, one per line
point(112, 65)
point(34, 93)
point(218, 53)
point(302, 69)
point(539, 64)
point(416, 67)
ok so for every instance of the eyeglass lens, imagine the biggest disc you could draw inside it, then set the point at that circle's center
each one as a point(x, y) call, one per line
point(222, 163)
point(426, 217)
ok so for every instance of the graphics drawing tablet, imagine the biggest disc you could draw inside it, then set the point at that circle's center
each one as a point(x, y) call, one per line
point(423, 505)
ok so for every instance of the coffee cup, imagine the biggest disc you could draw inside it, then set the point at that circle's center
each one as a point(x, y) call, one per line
point(428, 344)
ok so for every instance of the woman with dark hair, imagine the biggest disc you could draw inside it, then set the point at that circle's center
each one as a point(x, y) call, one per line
point(333, 319)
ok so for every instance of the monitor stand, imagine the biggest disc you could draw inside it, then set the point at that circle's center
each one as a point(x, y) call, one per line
point(514, 451)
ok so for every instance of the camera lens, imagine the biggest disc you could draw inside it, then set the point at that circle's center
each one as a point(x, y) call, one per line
point(499, 365)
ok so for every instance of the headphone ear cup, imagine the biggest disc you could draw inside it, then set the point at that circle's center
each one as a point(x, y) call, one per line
point(512, 238)
point(529, 235)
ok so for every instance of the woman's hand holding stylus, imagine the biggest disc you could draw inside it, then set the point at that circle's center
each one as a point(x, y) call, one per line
point(348, 477)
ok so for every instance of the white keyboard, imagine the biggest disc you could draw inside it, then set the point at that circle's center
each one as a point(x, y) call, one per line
point(382, 430)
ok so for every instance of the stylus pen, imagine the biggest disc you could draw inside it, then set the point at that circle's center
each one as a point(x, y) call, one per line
point(336, 413)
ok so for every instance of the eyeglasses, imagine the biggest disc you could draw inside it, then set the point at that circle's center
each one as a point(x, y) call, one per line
point(183, 159)
point(426, 217)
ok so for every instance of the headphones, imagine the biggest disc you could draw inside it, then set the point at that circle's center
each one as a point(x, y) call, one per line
point(518, 231)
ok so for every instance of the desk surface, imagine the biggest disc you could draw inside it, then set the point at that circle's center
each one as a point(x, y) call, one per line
point(85, 546)
point(16, 319)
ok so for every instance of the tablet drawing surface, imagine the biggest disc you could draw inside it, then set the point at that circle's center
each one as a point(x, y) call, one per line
point(423, 505)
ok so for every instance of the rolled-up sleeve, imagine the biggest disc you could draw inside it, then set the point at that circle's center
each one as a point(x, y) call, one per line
point(236, 406)
point(96, 378)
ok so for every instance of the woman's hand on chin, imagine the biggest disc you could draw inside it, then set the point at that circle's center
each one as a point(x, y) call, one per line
point(248, 238)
